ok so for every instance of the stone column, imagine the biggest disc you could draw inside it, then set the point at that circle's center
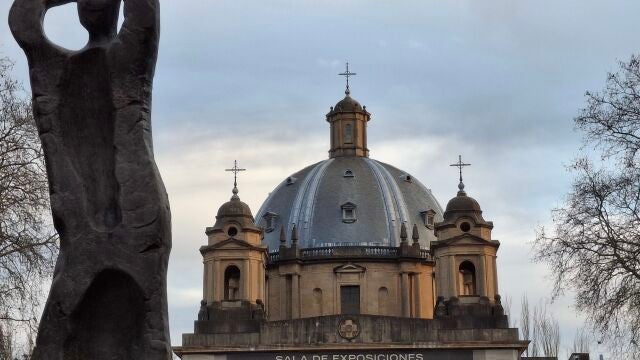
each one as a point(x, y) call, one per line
point(481, 276)
point(209, 282)
point(404, 284)
point(417, 295)
point(262, 284)
point(205, 282)
point(218, 281)
point(495, 275)
point(246, 280)
point(364, 136)
point(284, 297)
point(453, 277)
point(295, 296)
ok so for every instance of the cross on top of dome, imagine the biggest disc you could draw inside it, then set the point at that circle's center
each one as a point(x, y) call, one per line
point(235, 169)
point(460, 165)
point(346, 74)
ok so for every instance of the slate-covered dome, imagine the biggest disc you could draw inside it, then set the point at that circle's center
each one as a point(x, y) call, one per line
point(318, 198)
point(348, 199)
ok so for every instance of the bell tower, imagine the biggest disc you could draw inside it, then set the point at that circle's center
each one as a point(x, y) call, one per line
point(465, 254)
point(234, 257)
point(348, 121)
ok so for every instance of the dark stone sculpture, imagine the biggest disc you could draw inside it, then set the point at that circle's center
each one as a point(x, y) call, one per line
point(93, 111)
point(203, 313)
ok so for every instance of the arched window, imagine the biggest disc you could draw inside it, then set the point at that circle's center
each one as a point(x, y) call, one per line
point(467, 278)
point(317, 302)
point(232, 283)
point(348, 134)
point(383, 299)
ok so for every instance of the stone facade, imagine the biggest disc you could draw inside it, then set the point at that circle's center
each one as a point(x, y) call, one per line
point(350, 297)
point(392, 281)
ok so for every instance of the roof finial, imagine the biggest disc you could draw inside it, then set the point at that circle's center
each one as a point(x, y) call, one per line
point(346, 74)
point(460, 165)
point(415, 235)
point(403, 233)
point(235, 169)
point(283, 237)
point(294, 235)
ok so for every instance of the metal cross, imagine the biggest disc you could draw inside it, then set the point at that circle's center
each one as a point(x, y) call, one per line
point(347, 74)
point(460, 165)
point(235, 169)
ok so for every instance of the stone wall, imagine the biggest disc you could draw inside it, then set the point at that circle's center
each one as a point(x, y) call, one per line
point(370, 330)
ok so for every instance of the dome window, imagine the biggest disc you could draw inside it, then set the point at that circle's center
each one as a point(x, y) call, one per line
point(271, 220)
point(349, 213)
point(429, 218)
point(348, 173)
point(407, 178)
point(291, 180)
point(465, 226)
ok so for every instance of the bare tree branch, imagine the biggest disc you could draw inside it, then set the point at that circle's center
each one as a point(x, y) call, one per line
point(594, 246)
point(28, 242)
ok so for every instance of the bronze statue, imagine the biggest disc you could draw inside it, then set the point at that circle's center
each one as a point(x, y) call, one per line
point(93, 111)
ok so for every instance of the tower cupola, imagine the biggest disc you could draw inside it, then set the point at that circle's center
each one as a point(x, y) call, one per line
point(348, 123)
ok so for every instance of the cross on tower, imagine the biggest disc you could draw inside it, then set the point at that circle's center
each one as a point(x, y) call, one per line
point(460, 165)
point(346, 74)
point(235, 169)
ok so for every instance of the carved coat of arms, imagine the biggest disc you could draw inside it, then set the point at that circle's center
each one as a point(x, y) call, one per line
point(348, 328)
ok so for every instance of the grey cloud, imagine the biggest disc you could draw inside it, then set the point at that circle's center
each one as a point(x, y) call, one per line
point(496, 81)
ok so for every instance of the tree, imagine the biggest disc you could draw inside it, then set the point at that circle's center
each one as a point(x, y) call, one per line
point(581, 341)
point(543, 328)
point(525, 326)
point(547, 330)
point(28, 242)
point(6, 344)
point(594, 246)
point(507, 301)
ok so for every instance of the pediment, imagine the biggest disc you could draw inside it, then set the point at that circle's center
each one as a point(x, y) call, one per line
point(349, 268)
point(348, 206)
point(231, 244)
point(466, 239)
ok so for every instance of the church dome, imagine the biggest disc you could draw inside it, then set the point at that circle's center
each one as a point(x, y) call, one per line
point(463, 206)
point(348, 200)
point(234, 208)
point(462, 202)
point(236, 211)
point(348, 104)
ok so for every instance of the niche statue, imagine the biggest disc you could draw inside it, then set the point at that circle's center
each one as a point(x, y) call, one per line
point(93, 112)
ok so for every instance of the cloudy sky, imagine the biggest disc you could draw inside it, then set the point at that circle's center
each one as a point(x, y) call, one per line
point(496, 81)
